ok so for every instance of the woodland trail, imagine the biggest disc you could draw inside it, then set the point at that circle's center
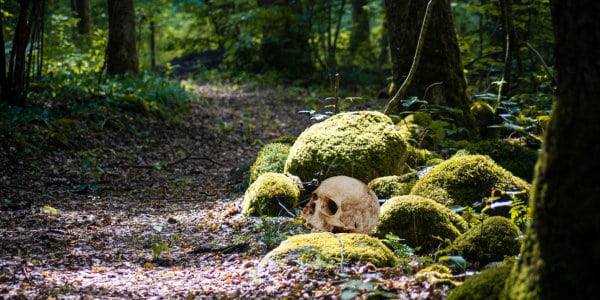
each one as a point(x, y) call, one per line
point(157, 216)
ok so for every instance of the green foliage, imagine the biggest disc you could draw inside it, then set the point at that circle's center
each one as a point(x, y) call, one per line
point(429, 126)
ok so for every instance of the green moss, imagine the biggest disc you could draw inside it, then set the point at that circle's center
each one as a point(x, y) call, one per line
point(284, 139)
point(325, 249)
point(363, 145)
point(485, 285)
point(418, 221)
point(270, 159)
point(265, 196)
point(485, 115)
point(492, 240)
point(517, 159)
point(390, 186)
point(419, 157)
point(437, 275)
point(464, 180)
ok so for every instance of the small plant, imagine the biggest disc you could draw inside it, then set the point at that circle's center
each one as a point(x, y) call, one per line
point(161, 243)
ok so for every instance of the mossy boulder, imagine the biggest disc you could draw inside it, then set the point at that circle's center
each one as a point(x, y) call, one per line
point(485, 116)
point(323, 249)
point(266, 195)
point(492, 240)
point(437, 275)
point(467, 179)
point(418, 221)
point(517, 159)
point(270, 159)
point(488, 284)
point(389, 186)
point(363, 145)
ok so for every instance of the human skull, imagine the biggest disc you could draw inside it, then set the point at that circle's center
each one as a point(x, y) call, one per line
point(342, 204)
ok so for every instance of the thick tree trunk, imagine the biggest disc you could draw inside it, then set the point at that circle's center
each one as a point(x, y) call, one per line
point(361, 30)
point(121, 55)
point(562, 244)
point(284, 45)
point(439, 78)
point(82, 11)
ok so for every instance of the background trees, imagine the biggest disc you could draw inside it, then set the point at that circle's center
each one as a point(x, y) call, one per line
point(121, 53)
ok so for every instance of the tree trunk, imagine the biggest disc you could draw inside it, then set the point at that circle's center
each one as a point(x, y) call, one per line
point(511, 48)
point(439, 78)
point(15, 80)
point(361, 31)
point(562, 246)
point(82, 11)
point(121, 55)
point(284, 45)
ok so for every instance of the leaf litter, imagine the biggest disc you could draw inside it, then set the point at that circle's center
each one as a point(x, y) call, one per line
point(157, 215)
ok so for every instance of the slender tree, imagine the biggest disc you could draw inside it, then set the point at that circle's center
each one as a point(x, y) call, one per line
point(439, 76)
point(361, 30)
point(284, 45)
point(26, 47)
point(81, 8)
point(562, 245)
point(121, 56)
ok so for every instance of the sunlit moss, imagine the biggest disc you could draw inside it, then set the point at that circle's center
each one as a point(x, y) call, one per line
point(267, 195)
point(437, 275)
point(390, 186)
point(326, 249)
point(492, 240)
point(419, 221)
point(363, 145)
point(270, 159)
point(466, 179)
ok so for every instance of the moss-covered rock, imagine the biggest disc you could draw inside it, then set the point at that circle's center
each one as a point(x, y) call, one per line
point(485, 115)
point(418, 221)
point(324, 249)
point(419, 157)
point(363, 145)
point(437, 275)
point(390, 186)
point(517, 159)
point(492, 240)
point(266, 195)
point(270, 159)
point(485, 285)
point(466, 179)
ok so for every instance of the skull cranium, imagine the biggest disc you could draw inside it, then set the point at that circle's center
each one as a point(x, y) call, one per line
point(342, 204)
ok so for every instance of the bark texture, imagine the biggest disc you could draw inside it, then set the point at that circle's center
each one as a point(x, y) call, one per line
point(439, 78)
point(562, 245)
point(121, 51)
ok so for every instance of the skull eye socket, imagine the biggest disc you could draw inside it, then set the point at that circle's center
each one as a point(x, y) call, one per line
point(330, 207)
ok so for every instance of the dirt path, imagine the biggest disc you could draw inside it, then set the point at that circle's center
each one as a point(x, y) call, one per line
point(157, 217)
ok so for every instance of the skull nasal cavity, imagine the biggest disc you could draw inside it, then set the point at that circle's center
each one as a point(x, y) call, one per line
point(330, 207)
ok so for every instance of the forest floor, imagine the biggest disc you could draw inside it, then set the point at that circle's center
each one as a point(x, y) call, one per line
point(157, 215)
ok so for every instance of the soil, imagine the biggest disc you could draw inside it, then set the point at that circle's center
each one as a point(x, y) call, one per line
point(156, 215)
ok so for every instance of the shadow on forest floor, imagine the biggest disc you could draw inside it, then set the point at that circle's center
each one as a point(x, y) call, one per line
point(157, 216)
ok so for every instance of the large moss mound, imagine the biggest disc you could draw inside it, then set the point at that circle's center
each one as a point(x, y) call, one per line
point(487, 285)
point(270, 159)
point(464, 180)
point(419, 220)
point(492, 240)
point(267, 195)
point(325, 249)
point(516, 159)
point(363, 145)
